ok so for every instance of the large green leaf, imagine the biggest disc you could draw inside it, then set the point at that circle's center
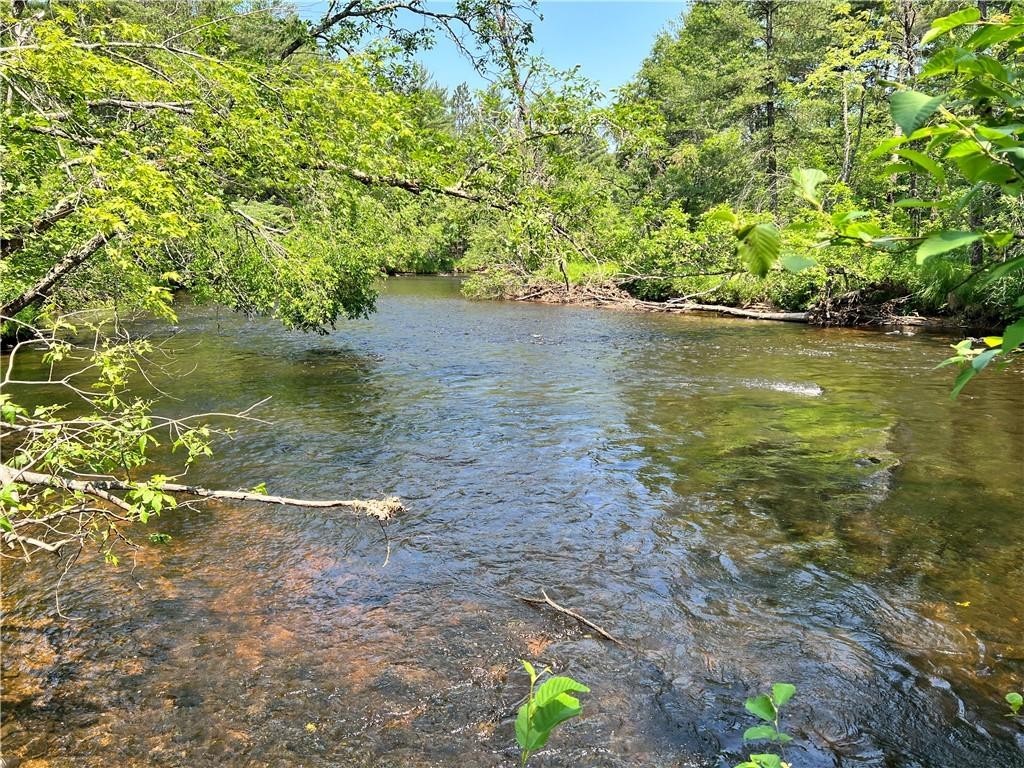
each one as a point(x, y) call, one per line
point(760, 733)
point(981, 362)
point(554, 686)
point(965, 376)
point(1002, 270)
point(563, 707)
point(943, 242)
point(762, 707)
point(886, 146)
point(993, 34)
point(523, 725)
point(925, 162)
point(945, 24)
point(911, 109)
point(782, 693)
point(947, 61)
point(794, 262)
point(1013, 336)
point(806, 181)
point(759, 248)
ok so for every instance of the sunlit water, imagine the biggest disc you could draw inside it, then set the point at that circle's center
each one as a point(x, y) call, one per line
point(739, 502)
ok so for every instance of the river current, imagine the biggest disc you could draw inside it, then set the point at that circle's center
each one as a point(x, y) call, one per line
point(738, 502)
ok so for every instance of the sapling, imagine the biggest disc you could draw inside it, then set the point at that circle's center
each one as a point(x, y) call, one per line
point(546, 707)
point(1015, 702)
point(768, 707)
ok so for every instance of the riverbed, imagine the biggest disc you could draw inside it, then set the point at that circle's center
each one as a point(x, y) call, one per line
point(739, 502)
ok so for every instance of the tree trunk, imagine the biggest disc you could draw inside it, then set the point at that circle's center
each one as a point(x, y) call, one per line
point(46, 283)
point(772, 164)
point(978, 246)
point(844, 173)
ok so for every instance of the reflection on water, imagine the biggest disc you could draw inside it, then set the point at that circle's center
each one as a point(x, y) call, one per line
point(741, 502)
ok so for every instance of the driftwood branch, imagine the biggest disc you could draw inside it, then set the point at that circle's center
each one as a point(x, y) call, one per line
point(752, 314)
point(610, 295)
point(545, 600)
point(381, 509)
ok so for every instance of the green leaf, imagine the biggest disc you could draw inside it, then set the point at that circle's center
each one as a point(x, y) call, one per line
point(762, 707)
point(555, 712)
point(965, 376)
point(945, 24)
point(5, 524)
point(911, 109)
point(794, 262)
point(885, 147)
point(529, 670)
point(980, 362)
point(767, 761)
point(760, 733)
point(759, 248)
point(723, 213)
point(943, 242)
point(554, 686)
point(999, 240)
point(993, 34)
point(1002, 270)
point(806, 181)
point(523, 725)
point(913, 202)
point(923, 161)
point(782, 693)
point(840, 220)
point(1013, 336)
point(964, 149)
point(1015, 700)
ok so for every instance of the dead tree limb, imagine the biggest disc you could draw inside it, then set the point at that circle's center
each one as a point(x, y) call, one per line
point(55, 213)
point(46, 283)
point(381, 509)
point(545, 600)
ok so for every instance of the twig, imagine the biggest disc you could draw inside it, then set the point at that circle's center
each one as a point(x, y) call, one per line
point(569, 612)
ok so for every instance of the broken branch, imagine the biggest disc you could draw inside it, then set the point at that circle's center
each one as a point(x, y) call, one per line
point(545, 600)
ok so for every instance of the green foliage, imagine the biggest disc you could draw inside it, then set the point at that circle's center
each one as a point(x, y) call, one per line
point(547, 706)
point(135, 166)
point(768, 708)
point(1014, 701)
point(767, 760)
point(103, 429)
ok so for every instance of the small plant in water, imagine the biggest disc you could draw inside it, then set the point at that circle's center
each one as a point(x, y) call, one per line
point(1015, 702)
point(768, 707)
point(547, 706)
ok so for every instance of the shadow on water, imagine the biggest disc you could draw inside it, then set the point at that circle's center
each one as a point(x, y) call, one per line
point(740, 502)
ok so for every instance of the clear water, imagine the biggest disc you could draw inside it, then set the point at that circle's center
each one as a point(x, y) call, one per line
point(740, 502)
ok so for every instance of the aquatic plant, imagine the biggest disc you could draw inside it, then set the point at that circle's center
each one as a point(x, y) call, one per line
point(546, 707)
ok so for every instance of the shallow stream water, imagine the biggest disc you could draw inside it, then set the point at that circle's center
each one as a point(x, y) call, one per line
point(739, 502)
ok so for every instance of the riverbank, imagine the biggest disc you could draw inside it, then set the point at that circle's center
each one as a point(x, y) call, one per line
point(853, 309)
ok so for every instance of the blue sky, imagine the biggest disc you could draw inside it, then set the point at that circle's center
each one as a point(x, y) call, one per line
point(607, 38)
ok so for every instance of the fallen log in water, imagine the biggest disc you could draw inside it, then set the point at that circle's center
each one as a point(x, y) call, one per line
point(610, 295)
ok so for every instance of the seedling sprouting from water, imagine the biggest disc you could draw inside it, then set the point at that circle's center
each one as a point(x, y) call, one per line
point(547, 706)
point(768, 707)
point(1015, 701)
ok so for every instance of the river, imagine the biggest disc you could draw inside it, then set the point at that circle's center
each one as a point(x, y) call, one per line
point(739, 502)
